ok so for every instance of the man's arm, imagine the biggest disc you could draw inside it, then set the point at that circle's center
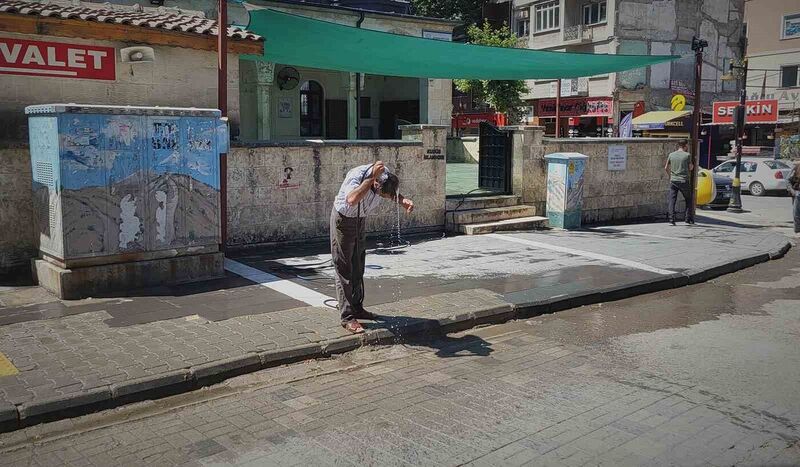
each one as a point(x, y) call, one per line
point(407, 204)
point(666, 166)
point(355, 196)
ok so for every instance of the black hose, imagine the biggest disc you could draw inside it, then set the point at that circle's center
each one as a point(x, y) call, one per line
point(463, 199)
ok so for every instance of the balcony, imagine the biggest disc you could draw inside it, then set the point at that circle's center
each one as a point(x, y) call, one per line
point(577, 34)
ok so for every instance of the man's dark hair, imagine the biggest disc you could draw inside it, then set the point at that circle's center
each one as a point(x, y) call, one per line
point(683, 143)
point(391, 184)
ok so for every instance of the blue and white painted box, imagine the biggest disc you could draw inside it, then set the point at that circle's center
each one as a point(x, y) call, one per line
point(565, 189)
point(116, 181)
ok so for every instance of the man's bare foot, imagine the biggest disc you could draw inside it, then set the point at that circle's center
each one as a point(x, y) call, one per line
point(353, 326)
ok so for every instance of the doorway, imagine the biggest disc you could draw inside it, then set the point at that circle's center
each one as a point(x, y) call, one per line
point(336, 119)
point(396, 113)
point(311, 98)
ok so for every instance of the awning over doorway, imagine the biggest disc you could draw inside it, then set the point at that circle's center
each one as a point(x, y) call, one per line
point(657, 120)
point(307, 42)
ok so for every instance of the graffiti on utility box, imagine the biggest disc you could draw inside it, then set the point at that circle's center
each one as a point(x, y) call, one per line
point(125, 183)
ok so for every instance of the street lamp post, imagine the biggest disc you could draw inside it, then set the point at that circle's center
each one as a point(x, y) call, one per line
point(222, 103)
point(735, 204)
point(697, 46)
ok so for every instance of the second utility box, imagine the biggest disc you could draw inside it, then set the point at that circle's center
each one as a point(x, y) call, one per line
point(565, 189)
point(125, 197)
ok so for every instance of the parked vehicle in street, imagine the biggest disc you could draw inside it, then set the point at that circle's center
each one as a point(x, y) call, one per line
point(713, 191)
point(758, 175)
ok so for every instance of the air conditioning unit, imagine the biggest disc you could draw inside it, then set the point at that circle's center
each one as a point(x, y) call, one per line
point(137, 55)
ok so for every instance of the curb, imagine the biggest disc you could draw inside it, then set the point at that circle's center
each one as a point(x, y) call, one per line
point(178, 381)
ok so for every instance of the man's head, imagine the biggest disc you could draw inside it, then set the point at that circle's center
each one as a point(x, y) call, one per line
point(387, 186)
point(683, 144)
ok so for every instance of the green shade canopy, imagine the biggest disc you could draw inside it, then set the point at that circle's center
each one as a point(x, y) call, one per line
point(302, 41)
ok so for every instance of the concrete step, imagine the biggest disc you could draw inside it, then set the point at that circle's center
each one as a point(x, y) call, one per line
point(481, 202)
point(479, 216)
point(520, 223)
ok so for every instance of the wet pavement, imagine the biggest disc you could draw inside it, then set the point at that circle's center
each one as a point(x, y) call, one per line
point(62, 349)
point(708, 374)
point(773, 211)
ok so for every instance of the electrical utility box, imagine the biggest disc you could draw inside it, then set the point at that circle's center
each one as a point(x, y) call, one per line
point(565, 189)
point(119, 185)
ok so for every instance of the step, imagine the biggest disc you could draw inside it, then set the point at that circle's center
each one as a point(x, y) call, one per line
point(481, 202)
point(521, 223)
point(476, 216)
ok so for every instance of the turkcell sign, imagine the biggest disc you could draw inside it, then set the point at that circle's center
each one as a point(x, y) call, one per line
point(760, 111)
point(56, 59)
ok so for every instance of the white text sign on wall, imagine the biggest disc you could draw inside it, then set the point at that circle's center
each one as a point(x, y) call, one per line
point(617, 157)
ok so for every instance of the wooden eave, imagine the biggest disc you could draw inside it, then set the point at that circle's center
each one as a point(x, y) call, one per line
point(46, 26)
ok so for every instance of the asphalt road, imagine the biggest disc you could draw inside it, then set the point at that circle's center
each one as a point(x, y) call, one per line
point(704, 375)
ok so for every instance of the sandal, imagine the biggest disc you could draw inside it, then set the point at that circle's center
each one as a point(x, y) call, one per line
point(353, 326)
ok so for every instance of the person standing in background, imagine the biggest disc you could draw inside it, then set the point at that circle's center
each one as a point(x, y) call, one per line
point(794, 189)
point(678, 167)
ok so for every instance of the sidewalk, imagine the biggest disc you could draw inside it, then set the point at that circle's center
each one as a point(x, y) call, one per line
point(66, 358)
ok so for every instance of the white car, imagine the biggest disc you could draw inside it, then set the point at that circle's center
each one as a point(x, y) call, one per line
point(758, 175)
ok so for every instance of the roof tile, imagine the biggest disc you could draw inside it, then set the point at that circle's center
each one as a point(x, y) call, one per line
point(154, 18)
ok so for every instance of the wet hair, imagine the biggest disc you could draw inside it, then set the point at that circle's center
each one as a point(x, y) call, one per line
point(390, 185)
point(682, 143)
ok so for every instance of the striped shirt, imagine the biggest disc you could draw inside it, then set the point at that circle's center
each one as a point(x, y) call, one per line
point(353, 179)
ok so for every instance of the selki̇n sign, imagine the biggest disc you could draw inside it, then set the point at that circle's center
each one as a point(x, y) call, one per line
point(56, 59)
point(759, 111)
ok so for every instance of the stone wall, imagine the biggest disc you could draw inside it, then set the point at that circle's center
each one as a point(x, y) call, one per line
point(265, 207)
point(463, 149)
point(16, 210)
point(639, 191)
point(262, 208)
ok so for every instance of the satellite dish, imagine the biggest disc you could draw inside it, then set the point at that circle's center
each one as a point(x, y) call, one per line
point(288, 78)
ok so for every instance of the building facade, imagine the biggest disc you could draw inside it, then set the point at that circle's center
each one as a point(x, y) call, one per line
point(177, 69)
point(594, 104)
point(284, 102)
point(773, 54)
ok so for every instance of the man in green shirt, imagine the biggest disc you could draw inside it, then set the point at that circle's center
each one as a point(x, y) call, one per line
point(679, 168)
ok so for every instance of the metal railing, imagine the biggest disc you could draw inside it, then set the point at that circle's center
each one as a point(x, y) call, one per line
point(578, 32)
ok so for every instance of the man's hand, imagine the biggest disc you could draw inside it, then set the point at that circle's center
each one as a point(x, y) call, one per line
point(377, 170)
point(407, 204)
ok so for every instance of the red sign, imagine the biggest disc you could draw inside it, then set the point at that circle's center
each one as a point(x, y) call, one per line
point(56, 59)
point(576, 107)
point(762, 111)
point(474, 120)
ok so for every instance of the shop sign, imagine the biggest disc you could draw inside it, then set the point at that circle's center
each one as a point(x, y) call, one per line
point(576, 107)
point(758, 111)
point(681, 87)
point(56, 59)
point(474, 120)
point(678, 102)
